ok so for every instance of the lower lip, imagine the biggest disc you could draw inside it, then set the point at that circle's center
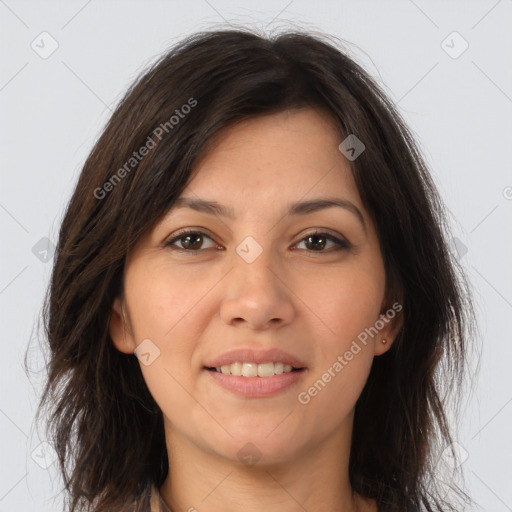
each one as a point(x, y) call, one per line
point(257, 387)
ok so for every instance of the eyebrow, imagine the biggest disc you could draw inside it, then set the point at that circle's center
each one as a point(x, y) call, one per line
point(298, 208)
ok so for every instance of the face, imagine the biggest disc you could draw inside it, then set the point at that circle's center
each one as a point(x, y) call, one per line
point(261, 275)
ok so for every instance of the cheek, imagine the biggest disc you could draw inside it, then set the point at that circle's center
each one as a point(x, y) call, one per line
point(348, 303)
point(163, 300)
point(164, 307)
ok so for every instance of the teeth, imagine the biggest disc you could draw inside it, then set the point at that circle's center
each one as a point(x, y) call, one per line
point(250, 370)
point(254, 369)
point(236, 369)
point(265, 369)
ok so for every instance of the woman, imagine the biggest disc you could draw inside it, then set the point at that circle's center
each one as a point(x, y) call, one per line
point(252, 297)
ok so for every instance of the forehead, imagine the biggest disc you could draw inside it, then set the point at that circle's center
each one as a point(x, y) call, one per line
point(279, 158)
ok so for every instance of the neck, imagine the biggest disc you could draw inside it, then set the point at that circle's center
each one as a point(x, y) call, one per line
point(316, 480)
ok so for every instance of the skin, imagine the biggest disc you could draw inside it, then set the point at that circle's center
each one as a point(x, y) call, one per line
point(197, 305)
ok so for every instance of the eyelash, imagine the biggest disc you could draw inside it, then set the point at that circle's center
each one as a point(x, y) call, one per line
point(342, 244)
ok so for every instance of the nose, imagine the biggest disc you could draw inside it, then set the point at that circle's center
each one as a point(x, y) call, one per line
point(257, 294)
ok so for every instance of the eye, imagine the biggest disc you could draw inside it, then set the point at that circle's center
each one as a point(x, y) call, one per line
point(317, 240)
point(191, 240)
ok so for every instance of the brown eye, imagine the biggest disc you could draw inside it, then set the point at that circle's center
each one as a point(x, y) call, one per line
point(190, 241)
point(193, 241)
point(317, 241)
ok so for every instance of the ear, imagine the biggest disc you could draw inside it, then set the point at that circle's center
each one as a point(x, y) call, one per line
point(392, 318)
point(119, 332)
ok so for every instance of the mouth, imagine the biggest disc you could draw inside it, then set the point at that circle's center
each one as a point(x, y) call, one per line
point(256, 380)
point(251, 370)
point(255, 372)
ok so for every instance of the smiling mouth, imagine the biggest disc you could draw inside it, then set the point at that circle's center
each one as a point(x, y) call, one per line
point(262, 370)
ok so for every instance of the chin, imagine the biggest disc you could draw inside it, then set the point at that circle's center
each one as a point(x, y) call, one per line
point(258, 448)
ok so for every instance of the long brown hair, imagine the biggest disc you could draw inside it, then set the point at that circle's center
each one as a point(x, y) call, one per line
point(104, 424)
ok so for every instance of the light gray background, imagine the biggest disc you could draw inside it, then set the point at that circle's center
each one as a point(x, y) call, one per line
point(53, 109)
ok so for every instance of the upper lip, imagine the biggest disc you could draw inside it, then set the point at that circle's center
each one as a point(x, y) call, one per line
point(253, 355)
